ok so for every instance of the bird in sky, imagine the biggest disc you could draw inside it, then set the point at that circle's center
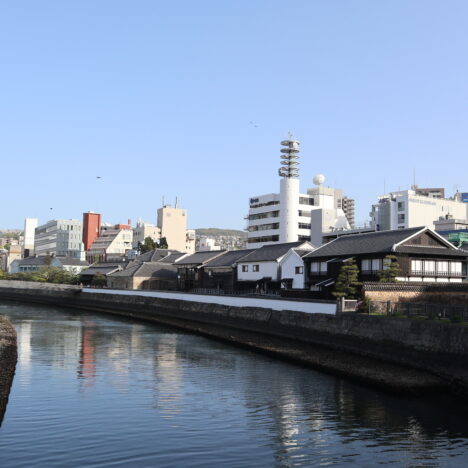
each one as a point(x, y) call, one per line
point(254, 124)
point(98, 177)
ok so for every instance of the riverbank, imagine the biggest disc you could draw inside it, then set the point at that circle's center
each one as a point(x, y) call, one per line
point(402, 355)
point(8, 357)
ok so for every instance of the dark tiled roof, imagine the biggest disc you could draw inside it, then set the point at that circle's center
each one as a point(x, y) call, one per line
point(372, 242)
point(200, 258)
point(100, 269)
point(172, 257)
point(33, 261)
point(155, 255)
point(147, 270)
point(72, 261)
point(270, 252)
point(411, 249)
point(229, 259)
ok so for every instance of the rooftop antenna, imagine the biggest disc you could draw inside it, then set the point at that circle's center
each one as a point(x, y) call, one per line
point(163, 201)
point(414, 179)
point(289, 157)
point(176, 204)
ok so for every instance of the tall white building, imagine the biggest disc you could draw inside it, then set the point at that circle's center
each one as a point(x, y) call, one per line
point(286, 216)
point(60, 237)
point(415, 207)
point(30, 225)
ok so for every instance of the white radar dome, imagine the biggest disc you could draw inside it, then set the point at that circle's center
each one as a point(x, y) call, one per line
point(319, 179)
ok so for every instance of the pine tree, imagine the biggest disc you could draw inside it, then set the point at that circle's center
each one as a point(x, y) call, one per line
point(163, 243)
point(347, 283)
point(392, 270)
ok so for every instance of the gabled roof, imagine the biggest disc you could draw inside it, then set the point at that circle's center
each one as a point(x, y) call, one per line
point(381, 242)
point(155, 255)
point(302, 252)
point(34, 260)
point(229, 259)
point(70, 261)
point(147, 270)
point(172, 258)
point(103, 268)
point(200, 258)
point(269, 253)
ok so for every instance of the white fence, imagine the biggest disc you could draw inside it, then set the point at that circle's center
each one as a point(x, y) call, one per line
point(308, 307)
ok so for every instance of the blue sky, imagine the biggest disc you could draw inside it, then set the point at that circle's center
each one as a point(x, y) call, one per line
point(157, 99)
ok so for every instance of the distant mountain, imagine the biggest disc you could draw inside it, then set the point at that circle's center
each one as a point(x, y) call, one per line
point(214, 232)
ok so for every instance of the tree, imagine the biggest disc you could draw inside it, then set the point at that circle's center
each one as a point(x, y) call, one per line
point(390, 271)
point(147, 246)
point(347, 284)
point(163, 243)
point(99, 280)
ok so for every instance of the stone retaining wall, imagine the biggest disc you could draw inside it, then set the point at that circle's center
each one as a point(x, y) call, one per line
point(8, 356)
point(392, 352)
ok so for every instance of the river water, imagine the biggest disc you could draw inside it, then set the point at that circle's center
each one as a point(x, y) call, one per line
point(96, 391)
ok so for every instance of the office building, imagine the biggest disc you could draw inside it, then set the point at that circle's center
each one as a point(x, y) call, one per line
point(59, 237)
point(415, 207)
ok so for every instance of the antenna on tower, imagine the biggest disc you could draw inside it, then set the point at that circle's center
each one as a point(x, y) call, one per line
point(176, 204)
point(163, 200)
point(289, 158)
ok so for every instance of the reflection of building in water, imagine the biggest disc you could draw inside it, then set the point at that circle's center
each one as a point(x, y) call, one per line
point(87, 361)
point(23, 332)
point(168, 382)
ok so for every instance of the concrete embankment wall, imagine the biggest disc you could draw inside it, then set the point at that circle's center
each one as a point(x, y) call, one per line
point(393, 352)
point(8, 356)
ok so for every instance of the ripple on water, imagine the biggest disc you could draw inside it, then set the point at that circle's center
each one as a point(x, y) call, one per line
point(95, 391)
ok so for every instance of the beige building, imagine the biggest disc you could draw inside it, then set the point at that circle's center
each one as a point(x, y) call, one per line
point(172, 221)
point(113, 243)
point(144, 230)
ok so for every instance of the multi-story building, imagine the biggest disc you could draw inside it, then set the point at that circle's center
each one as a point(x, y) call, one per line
point(91, 228)
point(144, 230)
point(30, 225)
point(286, 216)
point(112, 244)
point(415, 207)
point(59, 237)
point(172, 222)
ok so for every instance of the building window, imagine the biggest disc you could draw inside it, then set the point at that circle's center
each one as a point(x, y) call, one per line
point(245, 267)
point(306, 201)
point(318, 268)
point(456, 268)
point(366, 265)
point(299, 270)
point(401, 206)
point(255, 267)
point(401, 218)
point(304, 226)
point(429, 267)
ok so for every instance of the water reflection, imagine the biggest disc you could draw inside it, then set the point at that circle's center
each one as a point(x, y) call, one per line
point(200, 397)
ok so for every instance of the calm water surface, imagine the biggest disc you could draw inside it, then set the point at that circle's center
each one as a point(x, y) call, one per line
point(94, 391)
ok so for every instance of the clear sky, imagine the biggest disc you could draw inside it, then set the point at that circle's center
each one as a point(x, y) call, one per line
point(157, 98)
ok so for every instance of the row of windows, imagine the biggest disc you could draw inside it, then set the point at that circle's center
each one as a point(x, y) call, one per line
point(269, 214)
point(254, 268)
point(263, 227)
point(259, 205)
point(254, 240)
point(304, 226)
point(433, 267)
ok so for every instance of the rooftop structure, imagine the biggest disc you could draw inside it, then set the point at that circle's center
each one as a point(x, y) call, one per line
point(286, 216)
